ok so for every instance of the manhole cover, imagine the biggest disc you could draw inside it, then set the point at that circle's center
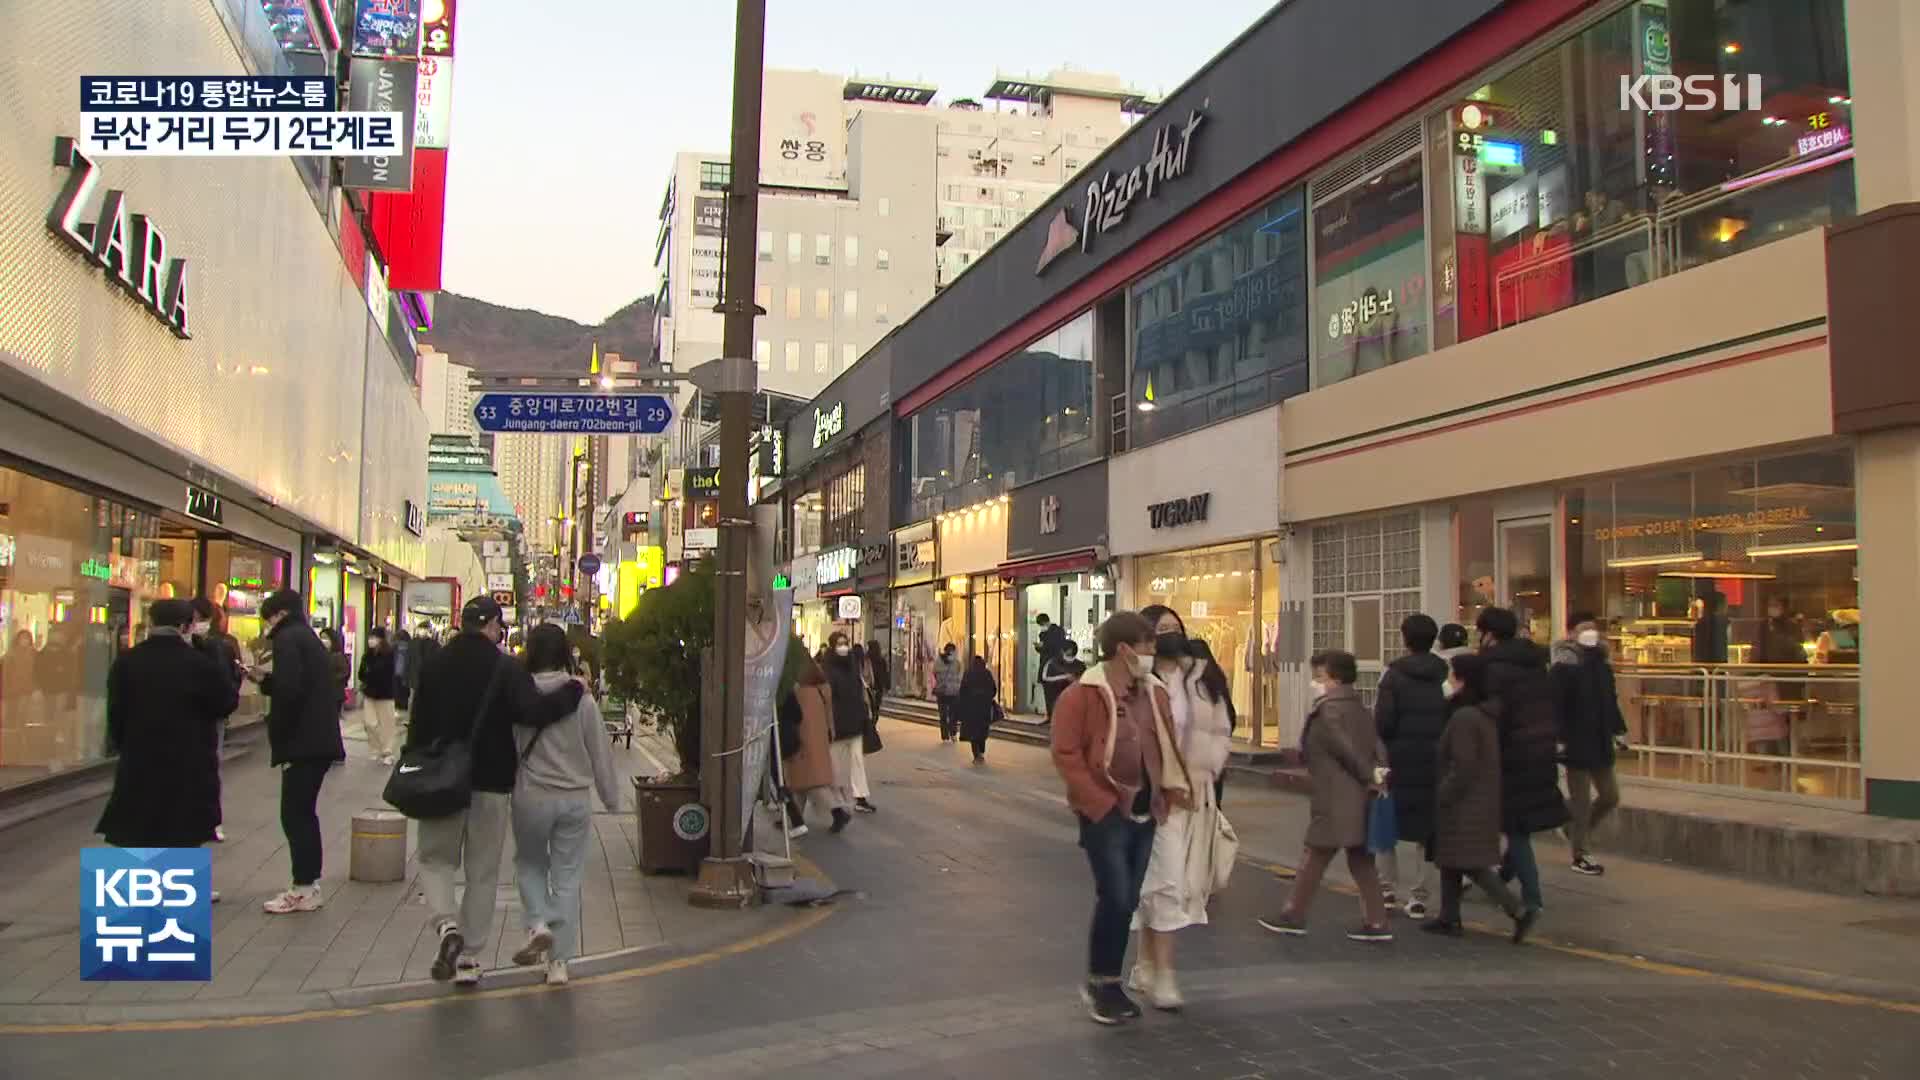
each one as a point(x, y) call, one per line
point(1908, 925)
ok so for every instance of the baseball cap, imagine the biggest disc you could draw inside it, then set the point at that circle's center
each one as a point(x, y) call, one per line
point(479, 611)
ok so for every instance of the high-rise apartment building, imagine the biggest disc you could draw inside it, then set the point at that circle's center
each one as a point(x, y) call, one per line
point(446, 394)
point(533, 472)
point(873, 197)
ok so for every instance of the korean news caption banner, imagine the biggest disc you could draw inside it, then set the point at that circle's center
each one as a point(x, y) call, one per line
point(146, 914)
point(240, 116)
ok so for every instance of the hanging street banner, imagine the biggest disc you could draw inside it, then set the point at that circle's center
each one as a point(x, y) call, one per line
point(573, 414)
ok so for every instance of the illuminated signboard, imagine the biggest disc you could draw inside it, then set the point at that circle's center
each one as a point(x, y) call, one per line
point(832, 567)
point(204, 506)
point(128, 246)
point(436, 27)
point(433, 103)
point(387, 29)
point(827, 423)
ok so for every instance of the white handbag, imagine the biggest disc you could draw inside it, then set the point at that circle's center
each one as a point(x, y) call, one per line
point(1223, 849)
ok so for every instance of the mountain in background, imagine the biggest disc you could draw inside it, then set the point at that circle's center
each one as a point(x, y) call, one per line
point(492, 339)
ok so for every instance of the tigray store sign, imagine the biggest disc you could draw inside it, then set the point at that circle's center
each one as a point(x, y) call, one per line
point(128, 246)
point(1176, 512)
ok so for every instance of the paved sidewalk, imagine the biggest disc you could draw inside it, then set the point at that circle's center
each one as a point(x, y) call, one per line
point(1657, 911)
point(369, 943)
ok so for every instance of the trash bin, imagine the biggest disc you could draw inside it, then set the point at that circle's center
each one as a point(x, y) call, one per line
point(379, 849)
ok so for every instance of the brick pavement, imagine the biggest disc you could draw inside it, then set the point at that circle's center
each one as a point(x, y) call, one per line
point(368, 943)
point(959, 954)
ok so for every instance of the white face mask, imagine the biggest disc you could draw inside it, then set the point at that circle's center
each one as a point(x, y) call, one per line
point(842, 650)
point(1319, 689)
point(1142, 664)
point(200, 629)
point(1588, 638)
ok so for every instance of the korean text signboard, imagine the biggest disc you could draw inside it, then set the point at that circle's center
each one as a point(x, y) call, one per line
point(574, 414)
point(387, 29)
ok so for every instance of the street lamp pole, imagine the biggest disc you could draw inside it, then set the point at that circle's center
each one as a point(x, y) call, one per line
point(726, 879)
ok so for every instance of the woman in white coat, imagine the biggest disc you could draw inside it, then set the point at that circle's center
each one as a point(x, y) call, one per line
point(1180, 872)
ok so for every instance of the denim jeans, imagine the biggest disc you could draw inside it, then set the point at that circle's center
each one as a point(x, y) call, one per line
point(550, 836)
point(1117, 849)
point(1520, 863)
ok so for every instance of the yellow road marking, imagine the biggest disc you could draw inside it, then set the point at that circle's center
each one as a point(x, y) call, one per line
point(805, 921)
point(1655, 967)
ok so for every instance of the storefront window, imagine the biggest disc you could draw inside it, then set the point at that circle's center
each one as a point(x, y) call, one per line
point(916, 633)
point(1366, 581)
point(77, 575)
point(1369, 273)
point(1221, 330)
point(993, 634)
point(1559, 195)
point(1213, 591)
point(1077, 604)
point(1731, 596)
point(1027, 417)
point(846, 503)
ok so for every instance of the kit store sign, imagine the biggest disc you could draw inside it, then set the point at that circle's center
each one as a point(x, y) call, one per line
point(915, 554)
point(130, 247)
point(1174, 513)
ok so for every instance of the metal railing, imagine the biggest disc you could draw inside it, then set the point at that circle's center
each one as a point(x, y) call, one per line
point(1789, 731)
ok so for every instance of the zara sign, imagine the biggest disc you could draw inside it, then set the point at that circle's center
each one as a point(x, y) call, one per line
point(128, 246)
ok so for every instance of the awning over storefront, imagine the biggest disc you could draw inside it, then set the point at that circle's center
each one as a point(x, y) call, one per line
point(1072, 562)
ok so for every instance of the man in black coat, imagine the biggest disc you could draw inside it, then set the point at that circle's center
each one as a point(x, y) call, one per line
point(165, 700)
point(378, 681)
point(303, 735)
point(1409, 711)
point(1530, 800)
point(1591, 728)
point(471, 691)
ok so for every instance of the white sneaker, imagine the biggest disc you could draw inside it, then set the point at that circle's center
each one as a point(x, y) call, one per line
point(797, 832)
point(295, 899)
point(1164, 994)
point(213, 896)
point(539, 944)
point(1140, 979)
point(556, 973)
point(219, 835)
point(1416, 908)
point(467, 971)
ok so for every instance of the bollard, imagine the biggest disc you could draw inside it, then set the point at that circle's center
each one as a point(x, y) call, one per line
point(379, 849)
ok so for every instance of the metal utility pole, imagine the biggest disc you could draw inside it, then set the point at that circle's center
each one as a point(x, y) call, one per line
point(726, 879)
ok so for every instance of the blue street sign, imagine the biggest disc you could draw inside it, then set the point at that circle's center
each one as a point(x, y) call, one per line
point(573, 414)
point(589, 564)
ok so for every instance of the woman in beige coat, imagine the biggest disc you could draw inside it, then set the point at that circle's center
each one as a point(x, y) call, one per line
point(1347, 765)
point(1179, 879)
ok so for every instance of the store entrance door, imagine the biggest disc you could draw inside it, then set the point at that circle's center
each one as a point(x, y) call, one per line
point(1524, 556)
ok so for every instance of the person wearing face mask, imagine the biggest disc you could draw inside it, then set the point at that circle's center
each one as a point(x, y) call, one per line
point(849, 727)
point(1179, 879)
point(164, 700)
point(209, 635)
point(1521, 688)
point(303, 734)
point(377, 681)
point(1347, 765)
point(947, 674)
point(1112, 745)
point(1591, 729)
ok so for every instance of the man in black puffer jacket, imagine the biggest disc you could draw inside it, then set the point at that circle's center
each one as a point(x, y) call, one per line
point(1530, 800)
point(303, 737)
point(1409, 711)
point(1591, 728)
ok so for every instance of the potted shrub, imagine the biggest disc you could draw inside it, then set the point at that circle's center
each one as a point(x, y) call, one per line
point(654, 659)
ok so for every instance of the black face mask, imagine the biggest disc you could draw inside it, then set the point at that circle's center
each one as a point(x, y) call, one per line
point(1171, 645)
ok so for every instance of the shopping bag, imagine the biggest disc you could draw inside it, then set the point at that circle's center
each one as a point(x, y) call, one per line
point(1223, 849)
point(1383, 827)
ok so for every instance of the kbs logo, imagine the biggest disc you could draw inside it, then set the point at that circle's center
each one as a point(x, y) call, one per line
point(146, 915)
point(1694, 93)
